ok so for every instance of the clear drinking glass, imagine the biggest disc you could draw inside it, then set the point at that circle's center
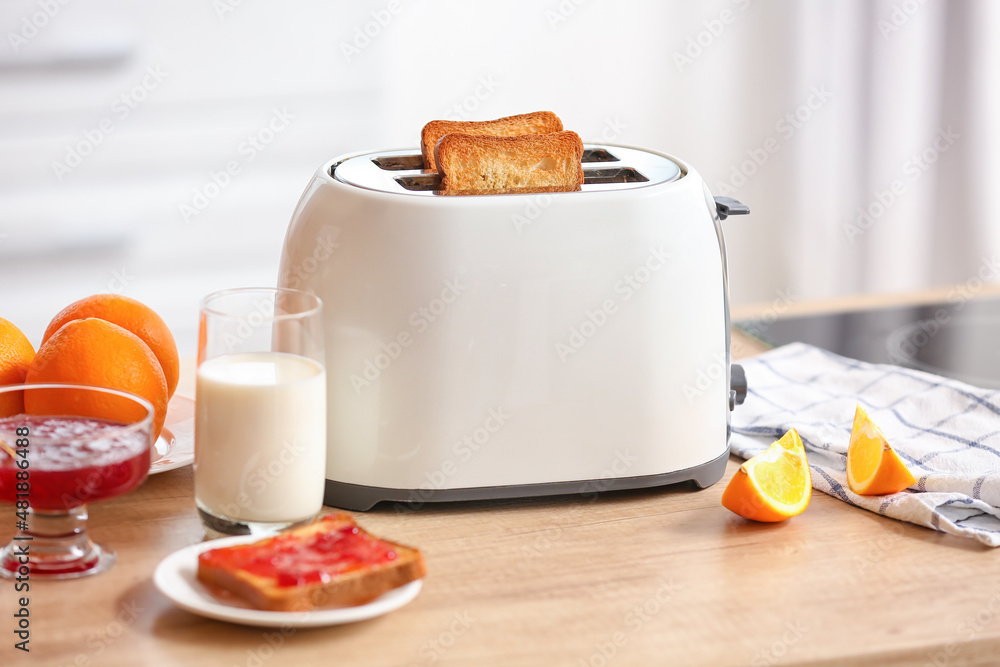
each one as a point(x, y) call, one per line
point(55, 458)
point(260, 411)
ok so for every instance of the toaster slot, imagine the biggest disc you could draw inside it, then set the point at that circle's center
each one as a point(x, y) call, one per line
point(432, 182)
point(422, 183)
point(415, 162)
point(598, 155)
point(399, 162)
point(612, 175)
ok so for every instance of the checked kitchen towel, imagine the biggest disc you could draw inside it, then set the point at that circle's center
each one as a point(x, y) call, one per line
point(947, 432)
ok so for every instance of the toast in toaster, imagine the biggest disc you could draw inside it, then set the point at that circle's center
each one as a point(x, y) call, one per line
point(330, 562)
point(538, 122)
point(471, 164)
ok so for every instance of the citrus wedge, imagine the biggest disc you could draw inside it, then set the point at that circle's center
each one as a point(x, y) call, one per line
point(774, 485)
point(873, 466)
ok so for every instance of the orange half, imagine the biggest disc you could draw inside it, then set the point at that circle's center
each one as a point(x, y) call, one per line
point(774, 485)
point(873, 466)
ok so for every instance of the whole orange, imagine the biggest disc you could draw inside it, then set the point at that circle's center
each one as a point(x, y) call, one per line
point(97, 353)
point(16, 353)
point(132, 315)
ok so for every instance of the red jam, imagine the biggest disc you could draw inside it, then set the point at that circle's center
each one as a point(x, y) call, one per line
point(293, 561)
point(73, 460)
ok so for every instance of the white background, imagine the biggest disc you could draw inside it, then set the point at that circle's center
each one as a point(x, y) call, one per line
point(711, 82)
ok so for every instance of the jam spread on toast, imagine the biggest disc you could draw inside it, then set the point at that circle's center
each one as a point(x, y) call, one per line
point(294, 560)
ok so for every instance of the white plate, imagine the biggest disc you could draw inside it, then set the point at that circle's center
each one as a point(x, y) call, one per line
point(175, 446)
point(176, 577)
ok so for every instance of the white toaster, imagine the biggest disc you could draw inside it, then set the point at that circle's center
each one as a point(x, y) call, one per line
point(496, 346)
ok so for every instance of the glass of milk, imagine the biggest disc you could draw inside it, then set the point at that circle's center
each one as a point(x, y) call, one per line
point(260, 411)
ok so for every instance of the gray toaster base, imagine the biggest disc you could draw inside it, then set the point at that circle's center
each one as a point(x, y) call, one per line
point(358, 498)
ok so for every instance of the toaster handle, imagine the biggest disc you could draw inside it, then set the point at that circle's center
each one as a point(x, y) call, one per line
point(727, 206)
point(737, 385)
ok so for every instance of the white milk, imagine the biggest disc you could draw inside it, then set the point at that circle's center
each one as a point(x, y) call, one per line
point(260, 437)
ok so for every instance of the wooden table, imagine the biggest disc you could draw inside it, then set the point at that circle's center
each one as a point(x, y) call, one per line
point(650, 577)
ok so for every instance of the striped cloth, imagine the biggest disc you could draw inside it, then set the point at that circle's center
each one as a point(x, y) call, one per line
point(947, 432)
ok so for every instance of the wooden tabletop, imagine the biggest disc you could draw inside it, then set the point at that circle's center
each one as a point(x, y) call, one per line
point(652, 577)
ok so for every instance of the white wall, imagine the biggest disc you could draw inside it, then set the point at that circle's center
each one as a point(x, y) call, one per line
point(610, 69)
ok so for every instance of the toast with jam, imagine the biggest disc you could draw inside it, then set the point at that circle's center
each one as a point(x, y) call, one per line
point(329, 563)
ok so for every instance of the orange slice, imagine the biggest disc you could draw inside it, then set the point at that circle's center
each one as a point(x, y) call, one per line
point(774, 485)
point(873, 466)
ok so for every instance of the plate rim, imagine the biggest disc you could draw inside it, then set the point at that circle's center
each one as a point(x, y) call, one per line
point(187, 459)
point(179, 566)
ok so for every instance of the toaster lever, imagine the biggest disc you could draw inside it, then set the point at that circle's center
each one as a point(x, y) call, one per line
point(737, 385)
point(727, 206)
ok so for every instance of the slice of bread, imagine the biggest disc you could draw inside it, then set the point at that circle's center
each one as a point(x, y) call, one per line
point(471, 164)
point(538, 122)
point(330, 562)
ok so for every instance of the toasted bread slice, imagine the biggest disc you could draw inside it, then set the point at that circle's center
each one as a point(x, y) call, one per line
point(330, 562)
point(471, 164)
point(537, 122)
